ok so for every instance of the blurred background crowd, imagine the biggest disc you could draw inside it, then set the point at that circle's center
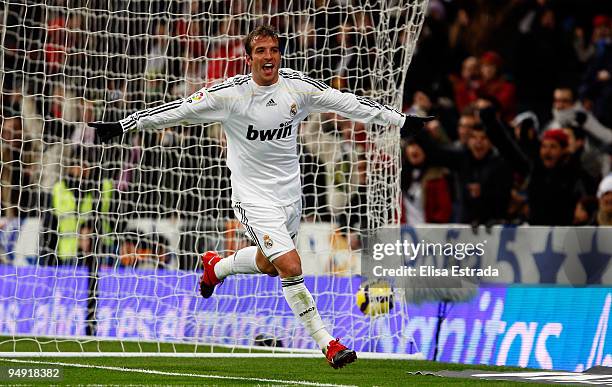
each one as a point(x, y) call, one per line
point(522, 92)
point(523, 95)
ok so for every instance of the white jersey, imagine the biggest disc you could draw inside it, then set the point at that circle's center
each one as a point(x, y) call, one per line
point(261, 125)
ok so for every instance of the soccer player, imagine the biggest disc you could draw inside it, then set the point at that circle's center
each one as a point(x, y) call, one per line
point(261, 113)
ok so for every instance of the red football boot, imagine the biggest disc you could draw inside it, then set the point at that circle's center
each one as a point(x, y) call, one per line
point(339, 355)
point(209, 279)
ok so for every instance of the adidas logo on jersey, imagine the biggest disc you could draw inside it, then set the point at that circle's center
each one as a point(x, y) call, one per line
point(271, 102)
point(283, 131)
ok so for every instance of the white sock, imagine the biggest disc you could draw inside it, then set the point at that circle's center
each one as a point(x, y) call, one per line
point(242, 261)
point(304, 308)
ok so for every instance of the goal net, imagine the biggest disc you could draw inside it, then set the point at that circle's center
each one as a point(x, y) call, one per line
point(100, 245)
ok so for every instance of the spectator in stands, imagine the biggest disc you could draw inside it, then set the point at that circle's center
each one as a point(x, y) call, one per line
point(526, 132)
point(556, 181)
point(584, 47)
point(226, 58)
point(11, 137)
point(467, 121)
point(72, 203)
point(159, 47)
point(146, 251)
point(193, 44)
point(566, 111)
point(63, 112)
point(301, 52)
point(596, 89)
point(482, 173)
point(421, 104)
point(192, 80)
point(363, 62)
point(54, 47)
point(601, 31)
point(426, 192)
point(585, 212)
point(604, 194)
point(163, 62)
point(555, 184)
point(21, 148)
point(466, 86)
point(64, 44)
point(588, 159)
point(334, 141)
point(495, 85)
point(350, 56)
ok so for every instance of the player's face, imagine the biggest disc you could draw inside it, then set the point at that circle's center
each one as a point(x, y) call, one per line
point(264, 60)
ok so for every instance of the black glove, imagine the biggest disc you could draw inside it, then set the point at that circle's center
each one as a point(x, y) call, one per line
point(580, 117)
point(106, 130)
point(414, 124)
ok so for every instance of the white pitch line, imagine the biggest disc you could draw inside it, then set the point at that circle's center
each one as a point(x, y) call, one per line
point(234, 355)
point(155, 372)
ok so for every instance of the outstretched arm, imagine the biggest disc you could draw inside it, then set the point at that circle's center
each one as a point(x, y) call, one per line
point(354, 107)
point(500, 137)
point(201, 107)
point(365, 110)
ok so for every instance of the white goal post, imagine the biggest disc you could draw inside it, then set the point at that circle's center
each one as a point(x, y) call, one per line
point(102, 243)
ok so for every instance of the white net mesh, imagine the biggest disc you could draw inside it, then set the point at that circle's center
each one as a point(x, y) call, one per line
point(105, 241)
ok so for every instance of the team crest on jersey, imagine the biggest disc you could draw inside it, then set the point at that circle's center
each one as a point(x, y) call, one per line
point(196, 97)
point(267, 241)
point(293, 110)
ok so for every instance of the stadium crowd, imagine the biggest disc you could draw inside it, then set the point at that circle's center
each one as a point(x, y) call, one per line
point(521, 90)
point(522, 93)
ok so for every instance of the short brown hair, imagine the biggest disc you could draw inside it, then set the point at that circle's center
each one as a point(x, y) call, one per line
point(261, 31)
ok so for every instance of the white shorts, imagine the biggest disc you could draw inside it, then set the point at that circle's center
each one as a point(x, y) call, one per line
point(272, 228)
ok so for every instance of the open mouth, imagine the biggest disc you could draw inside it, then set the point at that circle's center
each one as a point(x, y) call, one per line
point(268, 68)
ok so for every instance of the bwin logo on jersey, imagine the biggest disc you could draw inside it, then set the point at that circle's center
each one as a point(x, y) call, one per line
point(283, 131)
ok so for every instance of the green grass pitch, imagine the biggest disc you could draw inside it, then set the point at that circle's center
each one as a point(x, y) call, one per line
point(233, 371)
